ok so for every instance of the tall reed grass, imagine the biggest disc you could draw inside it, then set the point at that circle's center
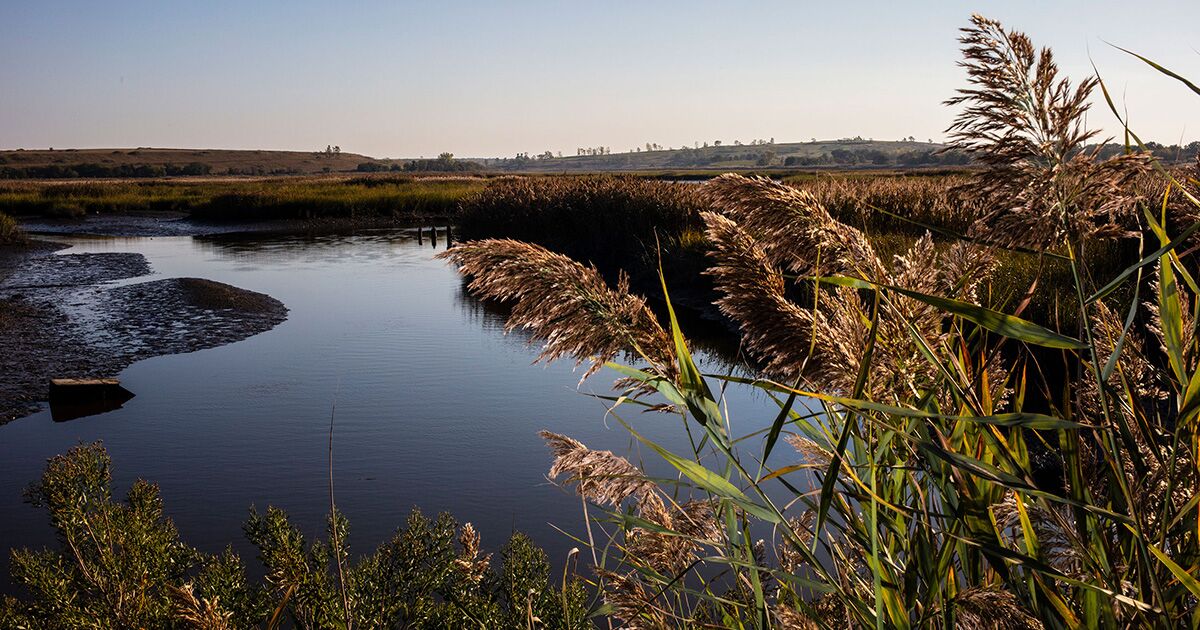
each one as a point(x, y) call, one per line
point(245, 200)
point(604, 218)
point(914, 407)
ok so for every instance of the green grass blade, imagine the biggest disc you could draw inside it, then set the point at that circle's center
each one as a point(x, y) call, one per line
point(995, 321)
point(1191, 86)
point(708, 480)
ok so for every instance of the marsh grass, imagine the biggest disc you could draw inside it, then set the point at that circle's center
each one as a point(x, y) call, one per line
point(915, 400)
point(245, 200)
point(607, 219)
point(625, 224)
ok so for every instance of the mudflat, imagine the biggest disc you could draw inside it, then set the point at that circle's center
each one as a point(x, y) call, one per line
point(62, 316)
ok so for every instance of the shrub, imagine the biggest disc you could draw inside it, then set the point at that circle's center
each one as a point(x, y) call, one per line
point(123, 565)
point(10, 232)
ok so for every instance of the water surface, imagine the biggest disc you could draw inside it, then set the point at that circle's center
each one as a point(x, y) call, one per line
point(434, 406)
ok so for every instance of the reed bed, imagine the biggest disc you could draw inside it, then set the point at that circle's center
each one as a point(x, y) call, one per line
point(915, 407)
point(898, 486)
point(244, 200)
point(626, 224)
point(611, 220)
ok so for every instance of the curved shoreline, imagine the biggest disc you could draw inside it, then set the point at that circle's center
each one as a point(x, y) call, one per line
point(60, 317)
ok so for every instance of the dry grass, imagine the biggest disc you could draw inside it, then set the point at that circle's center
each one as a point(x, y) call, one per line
point(245, 200)
point(221, 161)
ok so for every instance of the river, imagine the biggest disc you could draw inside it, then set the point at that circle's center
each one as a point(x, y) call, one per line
point(433, 404)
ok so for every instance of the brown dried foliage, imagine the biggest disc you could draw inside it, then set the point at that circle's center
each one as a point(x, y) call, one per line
point(984, 608)
point(199, 614)
point(765, 227)
point(1027, 126)
point(599, 476)
point(564, 304)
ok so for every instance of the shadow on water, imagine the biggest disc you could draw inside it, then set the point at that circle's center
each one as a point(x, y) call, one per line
point(63, 411)
point(313, 243)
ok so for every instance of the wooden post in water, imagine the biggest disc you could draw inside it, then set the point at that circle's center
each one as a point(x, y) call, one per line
point(420, 230)
point(433, 236)
point(449, 237)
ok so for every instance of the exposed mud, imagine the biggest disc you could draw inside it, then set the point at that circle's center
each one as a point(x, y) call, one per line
point(61, 316)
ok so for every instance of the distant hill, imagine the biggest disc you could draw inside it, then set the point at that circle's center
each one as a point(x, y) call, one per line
point(149, 162)
point(156, 162)
point(852, 153)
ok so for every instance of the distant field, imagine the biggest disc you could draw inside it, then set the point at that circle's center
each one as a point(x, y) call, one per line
point(780, 160)
point(243, 199)
point(86, 163)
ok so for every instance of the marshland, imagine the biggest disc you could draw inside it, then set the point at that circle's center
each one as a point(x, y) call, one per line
point(729, 384)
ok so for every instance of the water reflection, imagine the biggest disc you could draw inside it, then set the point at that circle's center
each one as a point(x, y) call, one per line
point(312, 245)
point(436, 407)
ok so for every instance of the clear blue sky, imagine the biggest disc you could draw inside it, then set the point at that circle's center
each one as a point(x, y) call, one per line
point(493, 78)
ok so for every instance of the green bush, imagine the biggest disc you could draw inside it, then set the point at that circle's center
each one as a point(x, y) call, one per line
point(10, 232)
point(122, 564)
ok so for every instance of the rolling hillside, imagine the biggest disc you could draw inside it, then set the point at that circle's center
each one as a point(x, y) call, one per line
point(155, 162)
point(150, 162)
point(839, 153)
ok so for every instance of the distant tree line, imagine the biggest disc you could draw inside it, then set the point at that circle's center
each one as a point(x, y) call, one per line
point(445, 163)
point(1164, 152)
point(875, 157)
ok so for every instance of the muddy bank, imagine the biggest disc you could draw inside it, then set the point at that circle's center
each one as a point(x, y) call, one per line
point(60, 316)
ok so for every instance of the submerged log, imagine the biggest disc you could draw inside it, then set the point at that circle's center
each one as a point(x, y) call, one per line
point(72, 398)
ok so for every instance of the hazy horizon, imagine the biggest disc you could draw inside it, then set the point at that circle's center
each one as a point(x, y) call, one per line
point(479, 80)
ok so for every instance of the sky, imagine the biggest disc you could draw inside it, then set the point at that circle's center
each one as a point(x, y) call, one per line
point(487, 79)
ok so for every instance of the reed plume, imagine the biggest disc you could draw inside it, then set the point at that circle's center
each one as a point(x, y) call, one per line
point(564, 304)
point(599, 476)
point(814, 455)
point(788, 618)
point(793, 227)
point(763, 225)
point(984, 608)
point(667, 553)
point(470, 562)
point(199, 614)
point(773, 327)
point(631, 604)
point(698, 520)
point(1027, 126)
